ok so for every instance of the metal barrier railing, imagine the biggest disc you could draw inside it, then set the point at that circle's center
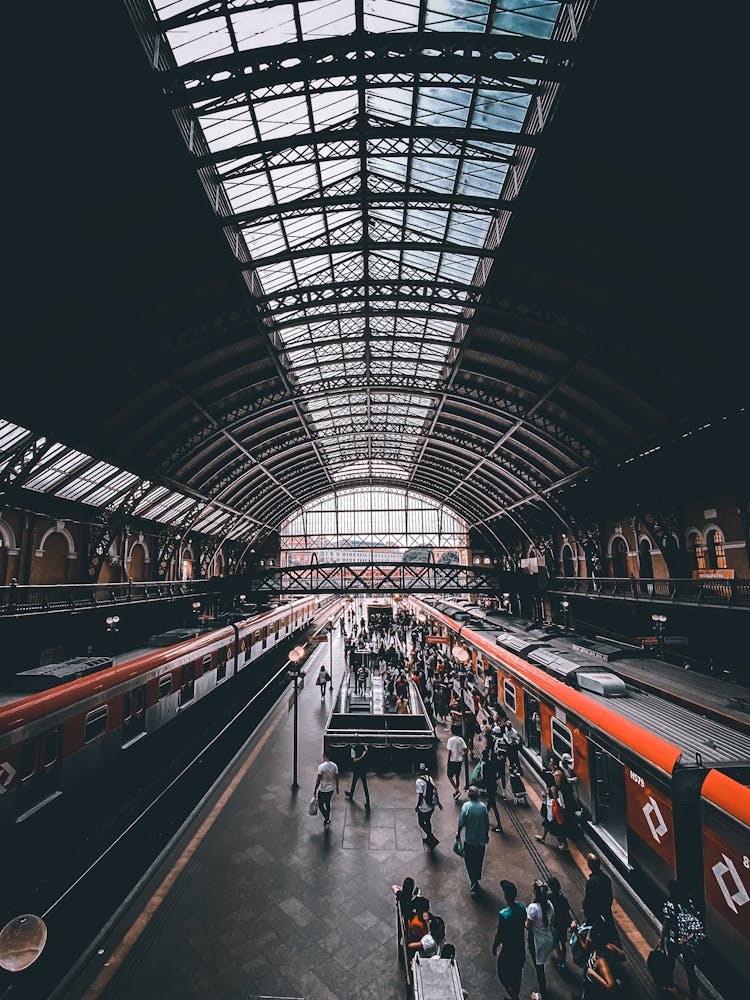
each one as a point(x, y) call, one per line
point(15, 600)
point(710, 591)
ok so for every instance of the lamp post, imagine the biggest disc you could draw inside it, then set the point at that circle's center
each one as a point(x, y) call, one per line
point(112, 622)
point(196, 608)
point(461, 656)
point(329, 626)
point(565, 605)
point(295, 655)
point(659, 622)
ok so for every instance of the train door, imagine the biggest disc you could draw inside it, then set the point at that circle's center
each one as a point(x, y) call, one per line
point(40, 769)
point(134, 715)
point(609, 801)
point(533, 723)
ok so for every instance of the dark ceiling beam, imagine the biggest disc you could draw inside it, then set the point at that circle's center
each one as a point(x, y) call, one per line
point(425, 290)
point(372, 133)
point(374, 199)
point(487, 56)
point(362, 246)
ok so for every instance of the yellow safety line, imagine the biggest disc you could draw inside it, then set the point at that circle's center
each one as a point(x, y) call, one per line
point(626, 924)
point(123, 949)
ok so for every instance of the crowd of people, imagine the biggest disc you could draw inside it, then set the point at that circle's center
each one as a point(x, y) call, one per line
point(548, 927)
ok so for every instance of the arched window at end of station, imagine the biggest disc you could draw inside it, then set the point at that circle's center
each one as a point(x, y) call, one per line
point(374, 524)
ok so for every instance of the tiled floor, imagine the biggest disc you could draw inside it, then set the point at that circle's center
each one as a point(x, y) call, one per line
point(270, 905)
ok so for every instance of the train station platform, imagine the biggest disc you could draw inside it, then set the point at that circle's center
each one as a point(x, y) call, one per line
point(257, 900)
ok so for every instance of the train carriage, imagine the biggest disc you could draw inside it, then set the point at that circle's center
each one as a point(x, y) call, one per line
point(56, 739)
point(649, 776)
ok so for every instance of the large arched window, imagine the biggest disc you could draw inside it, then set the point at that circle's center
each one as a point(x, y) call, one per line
point(620, 557)
point(568, 562)
point(715, 554)
point(696, 551)
point(374, 523)
point(645, 560)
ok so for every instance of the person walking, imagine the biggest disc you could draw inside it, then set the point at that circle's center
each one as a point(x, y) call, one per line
point(457, 750)
point(359, 772)
point(475, 821)
point(326, 782)
point(509, 938)
point(597, 899)
point(322, 680)
point(490, 774)
point(540, 916)
point(561, 922)
point(427, 801)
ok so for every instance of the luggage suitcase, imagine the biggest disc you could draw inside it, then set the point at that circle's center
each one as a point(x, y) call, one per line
point(518, 788)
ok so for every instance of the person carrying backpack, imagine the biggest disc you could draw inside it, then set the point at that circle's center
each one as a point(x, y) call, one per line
point(683, 933)
point(427, 801)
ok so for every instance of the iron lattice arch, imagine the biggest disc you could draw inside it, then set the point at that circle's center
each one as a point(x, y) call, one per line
point(382, 578)
point(364, 161)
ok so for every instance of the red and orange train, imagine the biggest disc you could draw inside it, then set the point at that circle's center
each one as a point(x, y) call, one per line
point(665, 790)
point(56, 739)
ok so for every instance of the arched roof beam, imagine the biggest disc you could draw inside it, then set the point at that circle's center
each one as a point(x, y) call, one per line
point(498, 57)
point(426, 200)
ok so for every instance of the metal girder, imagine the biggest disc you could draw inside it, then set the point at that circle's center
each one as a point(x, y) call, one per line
point(449, 293)
point(453, 134)
point(366, 246)
point(23, 461)
point(107, 526)
point(499, 57)
point(379, 578)
point(343, 146)
point(426, 201)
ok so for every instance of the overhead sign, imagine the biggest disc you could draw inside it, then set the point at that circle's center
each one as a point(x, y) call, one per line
point(318, 638)
point(436, 640)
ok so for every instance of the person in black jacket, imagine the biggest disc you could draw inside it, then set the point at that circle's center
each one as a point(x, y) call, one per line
point(597, 900)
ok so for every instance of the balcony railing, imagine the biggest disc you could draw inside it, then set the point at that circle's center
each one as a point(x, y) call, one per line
point(16, 600)
point(713, 592)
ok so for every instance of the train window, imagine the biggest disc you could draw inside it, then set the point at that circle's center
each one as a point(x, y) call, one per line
point(51, 747)
point(206, 663)
point(221, 667)
point(509, 692)
point(127, 708)
point(562, 739)
point(165, 686)
point(187, 686)
point(27, 765)
point(96, 723)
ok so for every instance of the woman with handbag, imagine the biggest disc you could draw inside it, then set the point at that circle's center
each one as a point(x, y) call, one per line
point(683, 933)
point(553, 819)
point(540, 916)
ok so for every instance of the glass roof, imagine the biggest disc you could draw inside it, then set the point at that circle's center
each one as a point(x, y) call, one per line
point(364, 188)
point(49, 467)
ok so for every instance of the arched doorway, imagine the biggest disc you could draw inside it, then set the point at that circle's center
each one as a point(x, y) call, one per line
point(137, 562)
point(645, 561)
point(568, 562)
point(3, 561)
point(50, 565)
point(620, 557)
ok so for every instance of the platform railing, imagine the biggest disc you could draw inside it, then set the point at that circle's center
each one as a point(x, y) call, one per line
point(714, 592)
point(17, 600)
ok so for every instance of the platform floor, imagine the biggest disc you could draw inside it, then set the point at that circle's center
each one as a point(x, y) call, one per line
point(257, 901)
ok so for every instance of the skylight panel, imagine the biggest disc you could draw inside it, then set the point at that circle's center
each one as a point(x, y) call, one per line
point(457, 15)
point(200, 40)
point(391, 15)
point(531, 17)
point(327, 18)
point(285, 116)
point(259, 28)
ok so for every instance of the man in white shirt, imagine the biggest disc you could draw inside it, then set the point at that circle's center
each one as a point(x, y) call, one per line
point(457, 750)
point(325, 783)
